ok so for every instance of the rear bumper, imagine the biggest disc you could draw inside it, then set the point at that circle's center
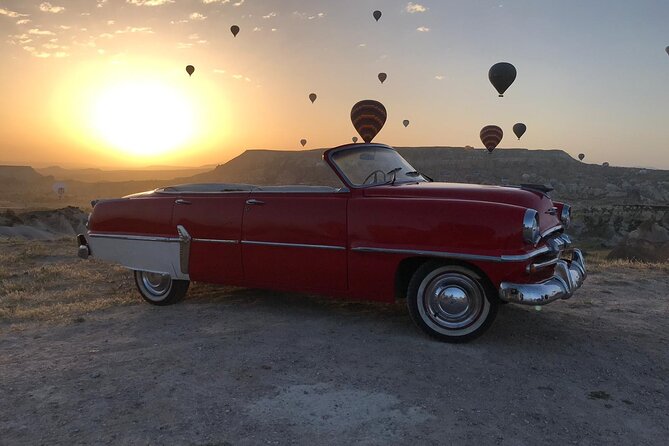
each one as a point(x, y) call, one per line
point(568, 277)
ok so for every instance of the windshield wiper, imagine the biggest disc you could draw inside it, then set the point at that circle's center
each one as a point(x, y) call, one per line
point(415, 173)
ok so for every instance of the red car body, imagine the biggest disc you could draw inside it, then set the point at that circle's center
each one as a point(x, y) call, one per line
point(359, 241)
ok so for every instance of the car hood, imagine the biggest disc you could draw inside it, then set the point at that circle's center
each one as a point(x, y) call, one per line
point(458, 191)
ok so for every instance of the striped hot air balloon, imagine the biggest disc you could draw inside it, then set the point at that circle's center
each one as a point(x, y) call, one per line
point(368, 118)
point(491, 135)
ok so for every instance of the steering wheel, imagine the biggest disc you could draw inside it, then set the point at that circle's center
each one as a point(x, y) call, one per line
point(375, 177)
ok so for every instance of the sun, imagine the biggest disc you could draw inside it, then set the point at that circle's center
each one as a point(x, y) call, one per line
point(143, 119)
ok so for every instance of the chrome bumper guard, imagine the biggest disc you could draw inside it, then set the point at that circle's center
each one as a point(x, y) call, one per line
point(568, 277)
point(84, 249)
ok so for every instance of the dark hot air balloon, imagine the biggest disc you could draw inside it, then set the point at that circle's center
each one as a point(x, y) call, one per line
point(491, 135)
point(377, 15)
point(406, 123)
point(303, 142)
point(312, 97)
point(501, 76)
point(519, 129)
point(667, 49)
point(354, 139)
point(368, 118)
point(234, 29)
point(383, 77)
point(190, 69)
point(581, 156)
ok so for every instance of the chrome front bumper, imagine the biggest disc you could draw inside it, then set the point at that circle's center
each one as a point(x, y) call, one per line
point(568, 277)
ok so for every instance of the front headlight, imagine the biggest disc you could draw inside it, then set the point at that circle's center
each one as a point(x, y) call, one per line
point(565, 215)
point(531, 233)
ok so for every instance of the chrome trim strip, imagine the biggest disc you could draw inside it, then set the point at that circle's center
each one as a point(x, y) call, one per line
point(215, 240)
point(145, 238)
point(534, 267)
point(455, 255)
point(293, 245)
point(548, 232)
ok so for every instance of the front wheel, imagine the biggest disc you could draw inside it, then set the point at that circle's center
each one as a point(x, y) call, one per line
point(160, 289)
point(451, 303)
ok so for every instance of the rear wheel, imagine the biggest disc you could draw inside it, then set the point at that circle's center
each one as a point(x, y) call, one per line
point(160, 289)
point(451, 303)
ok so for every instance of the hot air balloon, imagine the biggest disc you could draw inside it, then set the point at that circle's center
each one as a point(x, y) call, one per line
point(368, 118)
point(190, 69)
point(667, 49)
point(501, 76)
point(581, 156)
point(60, 189)
point(354, 139)
point(383, 77)
point(303, 142)
point(406, 123)
point(519, 129)
point(377, 15)
point(491, 135)
point(312, 97)
point(234, 29)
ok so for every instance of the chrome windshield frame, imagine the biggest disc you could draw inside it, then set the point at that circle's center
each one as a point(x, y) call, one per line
point(327, 157)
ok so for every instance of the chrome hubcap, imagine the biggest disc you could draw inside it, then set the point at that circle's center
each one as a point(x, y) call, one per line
point(452, 300)
point(157, 285)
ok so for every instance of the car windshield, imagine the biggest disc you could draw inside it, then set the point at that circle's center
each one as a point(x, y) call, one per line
point(375, 165)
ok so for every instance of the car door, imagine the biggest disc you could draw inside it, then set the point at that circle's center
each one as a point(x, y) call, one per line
point(214, 223)
point(295, 240)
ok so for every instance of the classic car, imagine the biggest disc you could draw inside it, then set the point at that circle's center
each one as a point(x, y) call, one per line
point(455, 252)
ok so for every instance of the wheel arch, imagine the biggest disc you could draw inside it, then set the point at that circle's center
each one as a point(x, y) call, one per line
point(408, 267)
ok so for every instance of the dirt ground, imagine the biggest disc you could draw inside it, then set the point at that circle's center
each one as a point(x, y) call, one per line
point(84, 361)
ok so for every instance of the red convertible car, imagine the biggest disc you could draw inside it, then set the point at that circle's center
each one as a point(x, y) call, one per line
point(455, 252)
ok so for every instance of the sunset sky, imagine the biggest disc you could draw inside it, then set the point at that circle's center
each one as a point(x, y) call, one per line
point(103, 82)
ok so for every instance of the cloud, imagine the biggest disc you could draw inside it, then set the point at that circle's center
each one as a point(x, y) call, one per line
point(197, 16)
point(239, 3)
point(194, 36)
point(48, 7)
point(256, 29)
point(439, 77)
point(362, 45)
point(65, 27)
point(423, 29)
point(413, 8)
point(134, 29)
point(269, 16)
point(12, 14)
point(149, 2)
point(307, 16)
point(206, 2)
point(101, 3)
point(111, 22)
point(23, 21)
point(40, 32)
point(219, 71)
point(184, 45)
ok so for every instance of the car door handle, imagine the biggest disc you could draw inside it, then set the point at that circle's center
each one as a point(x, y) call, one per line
point(254, 201)
point(181, 201)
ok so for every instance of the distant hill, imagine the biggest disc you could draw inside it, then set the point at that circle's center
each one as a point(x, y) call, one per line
point(19, 174)
point(573, 180)
point(97, 175)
